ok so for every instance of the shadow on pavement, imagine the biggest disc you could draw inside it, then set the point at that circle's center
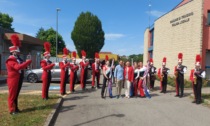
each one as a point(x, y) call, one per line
point(75, 98)
point(112, 115)
point(154, 95)
point(37, 108)
point(67, 108)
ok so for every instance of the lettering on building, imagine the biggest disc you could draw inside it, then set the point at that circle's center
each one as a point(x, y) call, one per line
point(182, 19)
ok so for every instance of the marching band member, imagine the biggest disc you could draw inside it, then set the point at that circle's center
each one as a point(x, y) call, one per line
point(196, 77)
point(84, 69)
point(96, 71)
point(73, 75)
point(46, 65)
point(128, 78)
point(64, 66)
point(180, 70)
point(163, 75)
point(14, 70)
point(152, 74)
point(20, 83)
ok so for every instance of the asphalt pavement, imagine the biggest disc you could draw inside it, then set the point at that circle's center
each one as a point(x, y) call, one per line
point(89, 109)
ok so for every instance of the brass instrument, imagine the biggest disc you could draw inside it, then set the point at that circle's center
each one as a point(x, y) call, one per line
point(176, 74)
point(161, 78)
point(195, 79)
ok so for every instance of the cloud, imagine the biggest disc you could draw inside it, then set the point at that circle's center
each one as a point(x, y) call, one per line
point(113, 36)
point(155, 13)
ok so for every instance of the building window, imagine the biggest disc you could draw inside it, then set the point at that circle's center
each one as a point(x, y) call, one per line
point(208, 18)
point(151, 37)
point(151, 54)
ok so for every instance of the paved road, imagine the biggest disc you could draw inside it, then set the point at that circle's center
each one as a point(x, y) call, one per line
point(88, 109)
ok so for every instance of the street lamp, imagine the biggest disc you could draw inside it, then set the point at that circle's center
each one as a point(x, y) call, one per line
point(57, 9)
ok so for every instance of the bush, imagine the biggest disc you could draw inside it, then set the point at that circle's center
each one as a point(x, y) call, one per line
point(187, 83)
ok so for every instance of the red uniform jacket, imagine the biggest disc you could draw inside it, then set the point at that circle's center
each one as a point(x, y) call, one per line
point(73, 69)
point(46, 68)
point(63, 68)
point(83, 65)
point(130, 73)
point(94, 70)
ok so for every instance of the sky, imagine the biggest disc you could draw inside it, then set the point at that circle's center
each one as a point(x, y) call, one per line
point(123, 21)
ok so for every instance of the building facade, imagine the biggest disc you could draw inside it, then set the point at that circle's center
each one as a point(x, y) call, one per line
point(29, 45)
point(185, 29)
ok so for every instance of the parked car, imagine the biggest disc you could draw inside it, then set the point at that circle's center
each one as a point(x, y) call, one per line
point(35, 75)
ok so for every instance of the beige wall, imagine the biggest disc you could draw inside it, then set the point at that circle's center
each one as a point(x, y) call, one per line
point(146, 40)
point(186, 38)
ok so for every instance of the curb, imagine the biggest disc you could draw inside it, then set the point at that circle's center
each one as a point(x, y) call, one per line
point(54, 113)
point(204, 100)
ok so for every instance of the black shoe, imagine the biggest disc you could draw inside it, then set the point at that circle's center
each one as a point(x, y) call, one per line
point(110, 96)
point(17, 110)
point(92, 87)
point(161, 92)
point(180, 96)
point(98, 87)
point(164, 92)
point(102, 97)
point(13, 113)
point(198, 102)
point(194, 101)
point(176, 96)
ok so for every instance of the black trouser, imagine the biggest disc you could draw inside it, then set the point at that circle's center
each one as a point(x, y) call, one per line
point(97, 75)
point(74, 81)
point(164, 84)
point(104, 86)
point(197, 90)
point(48, 84)
point(85, 78)
point(20, 83)
point(152, 81)
point(180, 81)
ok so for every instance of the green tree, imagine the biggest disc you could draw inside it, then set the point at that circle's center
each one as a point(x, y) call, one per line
point(6, 21)
point(136, 58)
point(49, 35)
point(88, 34)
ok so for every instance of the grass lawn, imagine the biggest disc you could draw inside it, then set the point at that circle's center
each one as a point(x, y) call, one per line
point(206, 96)
point(34, 110)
